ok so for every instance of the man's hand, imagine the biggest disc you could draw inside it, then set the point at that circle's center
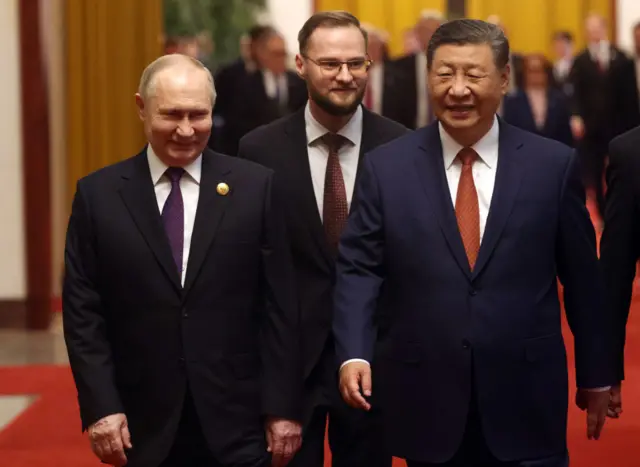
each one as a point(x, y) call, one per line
point(284, 438)
point(615, 401)
point(355, 376)
point(109, 437)
point(596, 403)
point(577, 127)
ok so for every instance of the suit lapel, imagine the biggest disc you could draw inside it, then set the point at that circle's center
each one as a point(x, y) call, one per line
point(511, 168)
point(431, 171)
point(209, 213)
point(138, 194)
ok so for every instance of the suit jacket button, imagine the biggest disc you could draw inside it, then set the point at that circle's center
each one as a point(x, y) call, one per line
point(181, 362)
point(473, 292)
point(185, 313)
point(466, 344)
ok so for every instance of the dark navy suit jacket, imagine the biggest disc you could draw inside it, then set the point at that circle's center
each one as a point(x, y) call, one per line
point(437, 332)
point(517, 111)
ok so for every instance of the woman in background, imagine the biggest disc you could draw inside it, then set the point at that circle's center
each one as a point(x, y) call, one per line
point(539, 107)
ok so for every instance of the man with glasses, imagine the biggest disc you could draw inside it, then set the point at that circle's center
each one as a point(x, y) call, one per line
point(315, 154)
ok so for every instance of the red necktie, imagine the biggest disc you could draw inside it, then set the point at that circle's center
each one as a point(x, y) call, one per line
point(467, 208)
point(335, 209)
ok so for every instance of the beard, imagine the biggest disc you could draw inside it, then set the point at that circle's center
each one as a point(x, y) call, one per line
point(338, 110)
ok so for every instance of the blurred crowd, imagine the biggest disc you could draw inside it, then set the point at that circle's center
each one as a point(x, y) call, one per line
point(570, 97)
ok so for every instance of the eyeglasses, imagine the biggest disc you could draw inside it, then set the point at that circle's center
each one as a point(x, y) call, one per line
point(357, 66)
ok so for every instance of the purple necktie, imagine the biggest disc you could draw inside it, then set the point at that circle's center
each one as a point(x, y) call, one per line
point(173, 216)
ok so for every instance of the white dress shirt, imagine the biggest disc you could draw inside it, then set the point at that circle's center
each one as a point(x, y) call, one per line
point(190, 188)
point(276, 86)
point(601, 53)
point(318, 154)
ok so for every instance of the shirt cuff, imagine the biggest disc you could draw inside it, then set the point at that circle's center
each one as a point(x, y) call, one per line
point(354, 360)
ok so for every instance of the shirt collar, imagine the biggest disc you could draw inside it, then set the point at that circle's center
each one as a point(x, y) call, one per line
point(352, 131)
point(486, 147)
point(158, 168)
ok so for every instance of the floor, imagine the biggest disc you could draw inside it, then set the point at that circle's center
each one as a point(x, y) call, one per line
point(19, 348)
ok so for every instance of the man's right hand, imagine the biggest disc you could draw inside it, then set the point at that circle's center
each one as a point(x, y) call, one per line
point(615, 403)
point(355, 384)
point(109, 437)
point(577, 127)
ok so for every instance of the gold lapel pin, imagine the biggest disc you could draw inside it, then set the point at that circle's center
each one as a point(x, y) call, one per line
point(222, 189)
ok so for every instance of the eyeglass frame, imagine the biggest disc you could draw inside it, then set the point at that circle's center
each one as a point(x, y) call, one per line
point(367, 61)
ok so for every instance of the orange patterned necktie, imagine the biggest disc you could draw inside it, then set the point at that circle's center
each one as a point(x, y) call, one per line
point(335, 209)
point(467, 209)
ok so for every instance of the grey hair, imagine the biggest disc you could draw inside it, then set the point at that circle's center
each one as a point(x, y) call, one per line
point(471, 31)
point(147, 80)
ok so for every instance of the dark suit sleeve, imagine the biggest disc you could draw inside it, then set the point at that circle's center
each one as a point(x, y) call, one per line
point(280, 346)
point(619, 244)
point(577, 77)
point(84, 322)
point(579, 272)
point(360, 271)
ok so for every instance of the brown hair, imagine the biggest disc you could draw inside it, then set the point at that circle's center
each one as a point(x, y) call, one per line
point(328, 19)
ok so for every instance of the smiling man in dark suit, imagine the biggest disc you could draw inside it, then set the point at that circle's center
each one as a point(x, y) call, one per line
point(459, 232)
point(316, 154)
point(179, 314)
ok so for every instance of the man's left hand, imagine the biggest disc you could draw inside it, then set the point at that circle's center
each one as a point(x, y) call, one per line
point(596, 403)
point(284, 438)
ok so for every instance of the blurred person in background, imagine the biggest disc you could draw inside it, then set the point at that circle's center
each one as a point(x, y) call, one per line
point(271, 92)
point(539, 107)
point(604, 101)
point(179, 314)
point(563, 51)
point(516, 60)
point(414, 109)
point(230, 82)
point(383, 80)
point(316, 154)
point(636, 56)
point(171, 45)
point(410, 43)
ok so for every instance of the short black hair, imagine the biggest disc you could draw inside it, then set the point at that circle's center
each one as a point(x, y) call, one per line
point(470, 31)
point(563, 35)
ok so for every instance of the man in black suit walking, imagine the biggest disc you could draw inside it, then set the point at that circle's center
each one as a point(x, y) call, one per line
point(179, 316)
point(620, 244)
point(316, 154)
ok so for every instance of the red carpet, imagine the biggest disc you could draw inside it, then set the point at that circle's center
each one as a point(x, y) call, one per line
point(48, 433)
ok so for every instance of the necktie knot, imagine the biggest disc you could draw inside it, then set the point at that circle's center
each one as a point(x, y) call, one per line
point(334, 141)
point(467, 156)
point(175, 174)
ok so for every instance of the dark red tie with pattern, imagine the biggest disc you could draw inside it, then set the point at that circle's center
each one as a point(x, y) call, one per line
point(335, 209)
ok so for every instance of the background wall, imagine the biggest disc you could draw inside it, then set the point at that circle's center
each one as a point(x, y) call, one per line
point(12, 245)
point(627, 15)
point(530, 23)
point(52, 24)
point(288, 17)
point(392, 16)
